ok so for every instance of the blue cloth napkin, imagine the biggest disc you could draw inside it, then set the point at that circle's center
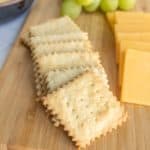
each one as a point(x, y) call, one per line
point(8, 32)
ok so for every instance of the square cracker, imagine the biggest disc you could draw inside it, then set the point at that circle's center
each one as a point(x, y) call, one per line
point(67, 59)
point(55, 26)
point(34, 41)
point(69, 46)
point(56, 40)
point(88, 109)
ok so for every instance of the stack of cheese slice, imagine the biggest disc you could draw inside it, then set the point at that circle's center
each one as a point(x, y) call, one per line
point(132, 35)
point(71, 82)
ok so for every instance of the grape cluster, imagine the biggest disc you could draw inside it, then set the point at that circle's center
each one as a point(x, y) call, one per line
point(73, 8)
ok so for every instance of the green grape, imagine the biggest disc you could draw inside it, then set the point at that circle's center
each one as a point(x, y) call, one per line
point(84, 2)
point(127, 4)
point(71, 8)
point(109, 5)
point(93, 6)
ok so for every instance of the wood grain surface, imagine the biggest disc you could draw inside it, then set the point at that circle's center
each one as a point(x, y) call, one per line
point(24, 124)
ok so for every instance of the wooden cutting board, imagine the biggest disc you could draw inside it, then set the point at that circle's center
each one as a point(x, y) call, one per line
point(24, 124)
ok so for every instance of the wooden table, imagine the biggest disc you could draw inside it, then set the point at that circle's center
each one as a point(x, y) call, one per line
point(24, 124)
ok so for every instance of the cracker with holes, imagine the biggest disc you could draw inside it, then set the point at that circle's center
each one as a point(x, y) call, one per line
point(69, 46)
point(55, 26)
point(34, 41)
point(53, 61)
point(88, 109)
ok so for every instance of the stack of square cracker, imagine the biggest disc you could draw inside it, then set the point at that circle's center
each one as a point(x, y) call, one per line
point(71, 82)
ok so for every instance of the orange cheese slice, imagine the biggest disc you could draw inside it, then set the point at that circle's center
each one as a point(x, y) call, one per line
point(136, 77)
point(121, 17)
point(132, 28)
point(131, 17)
point(125, 44)
point(119, 36)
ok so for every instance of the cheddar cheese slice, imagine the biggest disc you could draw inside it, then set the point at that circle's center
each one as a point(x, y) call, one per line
point(124, 45)
point(136, 77)
point(120, 17)
point(131, 17)
point(138, 36)
point(132, 28)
